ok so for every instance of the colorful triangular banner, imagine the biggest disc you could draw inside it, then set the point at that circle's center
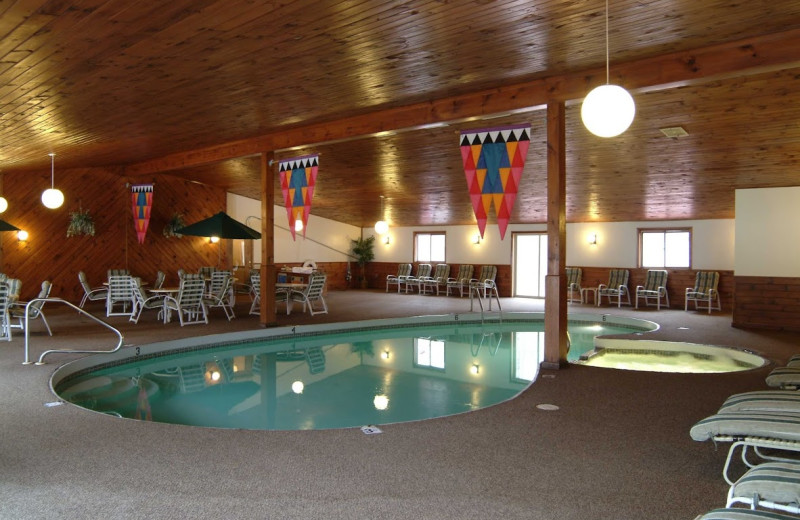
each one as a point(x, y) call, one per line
point(493, 160)
point(142, 203)
point(298, 177)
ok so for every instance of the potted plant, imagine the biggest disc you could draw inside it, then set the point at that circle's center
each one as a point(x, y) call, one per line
point(363, 251)
point(174, 224)
point(80, 223)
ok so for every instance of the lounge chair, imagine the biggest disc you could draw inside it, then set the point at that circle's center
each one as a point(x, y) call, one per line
point(759, 430)
point(159, 281)
point(654, 289)
point(18, 309)
point(142, 303)
point(5, 323)
point(574, 276)
point(616, 288)
point(403, 272)
point(437, 280)
point(120, 292)
point(485, 280)
point(737, 513)
point(90, 294)
point(704, 290)
point(221, 293)
point(423, 272)
point(255, 291)
point(762, 400)
point(312, 293)
point(461, 281)
point(772, 485)
point(189, 302)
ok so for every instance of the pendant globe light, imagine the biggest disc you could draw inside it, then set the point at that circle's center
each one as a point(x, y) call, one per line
point(3, 202)
point(52, 197)
point(381, 226)
point(608, 110)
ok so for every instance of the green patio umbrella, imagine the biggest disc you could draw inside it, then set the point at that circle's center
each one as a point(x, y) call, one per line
point(220, 225)
point(5, 226)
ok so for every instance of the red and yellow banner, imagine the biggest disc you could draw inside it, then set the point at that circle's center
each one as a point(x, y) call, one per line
point(298, 178)
point(142, 200)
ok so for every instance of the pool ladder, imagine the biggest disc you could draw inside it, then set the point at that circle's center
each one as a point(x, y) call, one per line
point(65, 350)
point(475, 293)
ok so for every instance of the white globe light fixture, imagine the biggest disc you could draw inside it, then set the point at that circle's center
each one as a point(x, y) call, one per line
point(3, 204)
point(608, 110)
point(381, 226)
point(52, 197)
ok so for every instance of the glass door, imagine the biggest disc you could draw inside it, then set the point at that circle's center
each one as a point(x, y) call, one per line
point(530, 264)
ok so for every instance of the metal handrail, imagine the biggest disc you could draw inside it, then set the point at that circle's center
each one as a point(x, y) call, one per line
point(64, 350)
point(475, 288)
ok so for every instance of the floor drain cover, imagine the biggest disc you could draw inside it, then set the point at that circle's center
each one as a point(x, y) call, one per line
point(547, 407)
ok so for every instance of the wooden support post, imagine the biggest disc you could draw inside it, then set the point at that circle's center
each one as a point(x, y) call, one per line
point(555, 305)
point(268, 272)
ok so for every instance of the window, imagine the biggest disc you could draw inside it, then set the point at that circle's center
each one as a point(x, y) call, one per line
point(429, 247)
point(429, 353)
point(665, 247)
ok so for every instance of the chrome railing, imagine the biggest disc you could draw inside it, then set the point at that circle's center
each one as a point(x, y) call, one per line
point(64, 350)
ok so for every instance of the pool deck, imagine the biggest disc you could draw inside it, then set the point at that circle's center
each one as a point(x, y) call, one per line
point(618, 447)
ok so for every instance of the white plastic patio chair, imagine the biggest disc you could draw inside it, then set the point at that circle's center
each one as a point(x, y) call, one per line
point(221, 293)
point(142, 303)
point(17, 309)
point(90, 294)
point(311, 294)
point(120, 293)
point(189, 302)
point(654, 288)
point(462, 279)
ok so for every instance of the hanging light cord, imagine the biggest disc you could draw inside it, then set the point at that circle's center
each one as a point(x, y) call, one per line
point(608, 80)
point(52, 170)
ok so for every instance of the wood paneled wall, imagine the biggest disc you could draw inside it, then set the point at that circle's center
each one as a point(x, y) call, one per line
point(767, 302)
point(50, 255)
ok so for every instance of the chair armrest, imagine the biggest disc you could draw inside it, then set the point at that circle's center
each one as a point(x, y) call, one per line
point(601, 287)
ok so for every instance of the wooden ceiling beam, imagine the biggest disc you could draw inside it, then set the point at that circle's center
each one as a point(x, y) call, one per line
point(743, 57)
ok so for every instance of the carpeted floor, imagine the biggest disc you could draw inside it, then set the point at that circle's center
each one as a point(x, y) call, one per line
point(618, 447)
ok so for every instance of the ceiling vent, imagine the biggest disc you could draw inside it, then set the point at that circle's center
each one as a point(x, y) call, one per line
point(674, 132)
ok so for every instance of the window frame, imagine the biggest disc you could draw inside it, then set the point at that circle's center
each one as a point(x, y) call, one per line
point(430, 233)
point(665, 230)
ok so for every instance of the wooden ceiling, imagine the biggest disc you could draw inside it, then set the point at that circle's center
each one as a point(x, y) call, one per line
point(381, 88)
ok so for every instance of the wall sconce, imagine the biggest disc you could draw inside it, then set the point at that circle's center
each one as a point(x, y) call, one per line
point(381, 226)
point(385, 354)
point(592, 239)
point(474, 369)
point(476, 238)
point(213, 240)
point(22, 235)
point(386, 240)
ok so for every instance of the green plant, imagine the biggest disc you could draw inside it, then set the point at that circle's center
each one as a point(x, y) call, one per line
point(80, 223)
point(174, 224)
point(363, 249)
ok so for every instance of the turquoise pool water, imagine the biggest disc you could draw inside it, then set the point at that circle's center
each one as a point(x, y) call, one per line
point(381, 373)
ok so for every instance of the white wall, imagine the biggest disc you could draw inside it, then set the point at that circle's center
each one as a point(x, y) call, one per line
point(767, 222)
point(617, 243)
point(326, 240)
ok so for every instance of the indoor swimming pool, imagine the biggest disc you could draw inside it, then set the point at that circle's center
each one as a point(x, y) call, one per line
point(328, 376)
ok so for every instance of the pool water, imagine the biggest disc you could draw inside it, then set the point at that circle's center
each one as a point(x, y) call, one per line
point(333, 380)
point(348, 375)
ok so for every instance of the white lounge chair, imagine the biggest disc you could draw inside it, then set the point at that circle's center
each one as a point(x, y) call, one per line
point(705, 291)
point(189, 302)
point(423, 273)
point(654, 289)
point(90, 294)
point(737, 513)
point(221, 293)
point(461, 281)
point(574, 276)
point(748, 429)
point(616, 288)
point(403, 272)
point(772, 485)
point(439, 279)
point(762, 400)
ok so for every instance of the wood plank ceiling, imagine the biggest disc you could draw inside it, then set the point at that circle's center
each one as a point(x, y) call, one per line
point(120, 83)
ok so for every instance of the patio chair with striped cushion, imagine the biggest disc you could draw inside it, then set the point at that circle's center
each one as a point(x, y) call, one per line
point(654, 288)
point(616, 288)
point(705, 291)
